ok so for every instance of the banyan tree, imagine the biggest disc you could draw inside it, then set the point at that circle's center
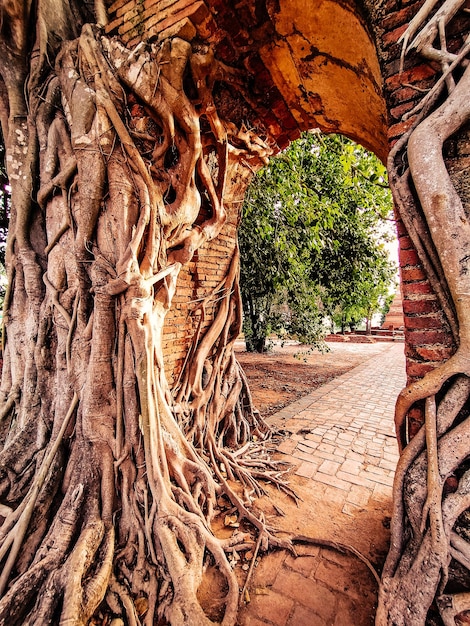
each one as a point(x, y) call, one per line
point(125, 416)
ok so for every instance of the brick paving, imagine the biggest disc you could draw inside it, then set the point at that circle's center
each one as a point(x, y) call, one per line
point(342, 447)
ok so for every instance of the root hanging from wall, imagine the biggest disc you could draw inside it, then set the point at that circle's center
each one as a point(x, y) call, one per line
point(431, 488)
point(110, 480)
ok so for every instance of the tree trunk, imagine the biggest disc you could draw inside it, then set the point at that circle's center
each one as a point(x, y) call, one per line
point(429, 532)
point(255, 337)
point(109, 477)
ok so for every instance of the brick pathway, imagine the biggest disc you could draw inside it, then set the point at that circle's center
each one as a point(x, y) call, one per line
point(343, 450)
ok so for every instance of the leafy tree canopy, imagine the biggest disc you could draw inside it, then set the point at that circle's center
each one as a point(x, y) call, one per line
point(313, 240)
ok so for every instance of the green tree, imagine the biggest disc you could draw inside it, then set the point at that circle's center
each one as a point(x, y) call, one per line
point(280, 231)
point(313, 239)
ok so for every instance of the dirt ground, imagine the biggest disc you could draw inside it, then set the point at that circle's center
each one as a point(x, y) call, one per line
point(289, 370)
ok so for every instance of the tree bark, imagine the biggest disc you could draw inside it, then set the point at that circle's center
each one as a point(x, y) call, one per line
point(431, 488)
point(109, 478)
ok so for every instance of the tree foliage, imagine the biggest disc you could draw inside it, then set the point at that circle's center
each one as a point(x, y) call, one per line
point(312, 239)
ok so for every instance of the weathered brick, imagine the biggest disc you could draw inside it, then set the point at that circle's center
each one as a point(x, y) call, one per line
point(399, 129)
point(112, 26)
point(294, 134)
point(281, 111)
point(272, 123)
point(403, 94)
point(116, 5)
point(162, 5)
point(410, 275)
point(406, 243)
point(398, 112)
point(418, 370)
point(434, 353)
point(427, 337)
point(125, 8)
point(131, 14)
point(398, 18)
point(411, 76)
point(421, 322)
point(283, 141)
point(184, 29)
point(428, 305)
point(130, 28)
point(156, 22)
point(393, 36)
point(417, 288)
point(408, 257)
point(299, 588)
point(274, 604)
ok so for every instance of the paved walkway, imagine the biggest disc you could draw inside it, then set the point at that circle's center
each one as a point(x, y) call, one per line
point(344, 452)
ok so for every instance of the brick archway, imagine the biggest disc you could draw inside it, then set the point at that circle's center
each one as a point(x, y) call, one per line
point(308, 65)
point(330, 65)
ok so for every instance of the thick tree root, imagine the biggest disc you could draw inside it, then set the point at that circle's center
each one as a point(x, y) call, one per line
point(426, 505)
point(110, 479)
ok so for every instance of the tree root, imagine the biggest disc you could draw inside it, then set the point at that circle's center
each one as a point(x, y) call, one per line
point(428, 386)
point(424, 514)
point(339, 547)
point(119, 474)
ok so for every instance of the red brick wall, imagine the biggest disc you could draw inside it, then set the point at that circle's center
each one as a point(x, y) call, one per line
point(134, 20)
point(197, 280)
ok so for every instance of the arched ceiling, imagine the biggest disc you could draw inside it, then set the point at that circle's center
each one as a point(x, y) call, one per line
point(317, 56)
point(306, 63)
point(326, 68)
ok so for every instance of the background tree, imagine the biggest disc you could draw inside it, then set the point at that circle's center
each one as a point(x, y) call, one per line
point(312, 240)
point(354, 275)
point(278, 232)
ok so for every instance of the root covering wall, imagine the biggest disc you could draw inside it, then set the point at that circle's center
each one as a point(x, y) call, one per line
point(373, 106)
point(127, 424)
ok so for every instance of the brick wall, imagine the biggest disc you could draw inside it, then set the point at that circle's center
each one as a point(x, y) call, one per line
point(153, 20)
point(196, 282)
point(135, 20)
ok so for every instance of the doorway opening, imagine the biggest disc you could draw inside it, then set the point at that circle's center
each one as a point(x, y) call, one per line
point(321, 212)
